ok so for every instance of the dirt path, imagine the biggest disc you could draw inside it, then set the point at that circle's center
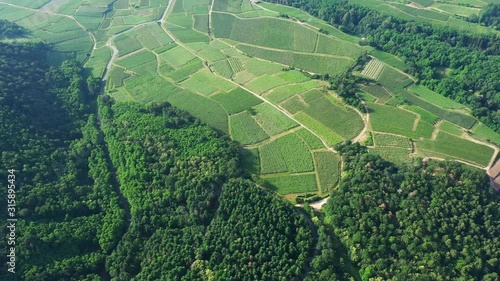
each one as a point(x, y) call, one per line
point(317, 205)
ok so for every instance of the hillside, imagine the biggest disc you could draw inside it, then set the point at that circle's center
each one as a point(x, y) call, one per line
point(185, 140)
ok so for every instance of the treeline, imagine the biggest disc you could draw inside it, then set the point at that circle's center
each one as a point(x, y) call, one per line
point(488, 16)
point(11, 30)
point(456, 64)
point(431, 221)
point(68, 214)
point(193, 216)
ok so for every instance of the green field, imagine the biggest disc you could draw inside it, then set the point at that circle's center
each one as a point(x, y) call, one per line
point(341, 120)
point(288, 184)
point(391, 141)
point(397, 155)
point(312, 141)
point(392, 79)
point(377, 91)
point(203, 108)
point(452, 147)
point(287, 153)
point(245, 129)
point(483, 132)
point(321, 130)
point(272, 120)
point(389, 119)
point(236, 100)
point(450, 128)
point(389, 59)
point(281, 93)
point(328, 167)
point(434, 98)
point(316, 63)
point(373, 69)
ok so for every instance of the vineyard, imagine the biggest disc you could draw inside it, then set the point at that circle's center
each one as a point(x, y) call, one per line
point(373, 69)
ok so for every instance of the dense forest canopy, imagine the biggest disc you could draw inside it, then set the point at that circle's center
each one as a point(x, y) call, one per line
point(431, 221)
point(470, 61)
point(181, 179)
point(67, 211)
point(489, 16)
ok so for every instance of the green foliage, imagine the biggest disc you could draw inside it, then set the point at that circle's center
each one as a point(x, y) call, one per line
point(65, 202)
point(435, 220)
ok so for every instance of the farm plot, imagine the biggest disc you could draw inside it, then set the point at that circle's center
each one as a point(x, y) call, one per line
point(484, 132)
point(266, 32)
point(337, 47)
point(434, 98)
point(136, 59)
point(312, 141)
point(321, 130)
point(328, 169)
point(293, 183)
point(293, 76)
point(288, 149)
point(452, 147)
point(341, 120)
point(184, 71)
point(235, 64)
point(382, 140)
point(425, 115)
point(245, 130)
point(203, 108)
point(236, 100)
point(177, 56)
point(315, 63)
point(281, 93)
point(390, 119)
point(397, 155)
point(126, 44)
point(389, 59)
point(147, 88)
point(377, 91)
point(224, 69)
point(272, 120)
point(260, 67)
point(206, 83)
point(450, 128)
point(373, 69)
point(393, 79)
point(460, 119)
point(265, 83)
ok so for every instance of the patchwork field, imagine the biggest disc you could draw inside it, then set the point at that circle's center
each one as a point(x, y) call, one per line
point(244, 69)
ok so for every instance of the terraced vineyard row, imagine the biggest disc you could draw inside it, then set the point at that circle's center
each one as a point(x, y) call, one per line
point(373, 69)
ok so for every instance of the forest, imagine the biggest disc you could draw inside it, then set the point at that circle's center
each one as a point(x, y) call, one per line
point(456, 64)
point(429, 221)
point(186, 194)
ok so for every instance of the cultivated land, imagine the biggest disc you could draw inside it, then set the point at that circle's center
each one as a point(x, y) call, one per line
point(244, 70)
